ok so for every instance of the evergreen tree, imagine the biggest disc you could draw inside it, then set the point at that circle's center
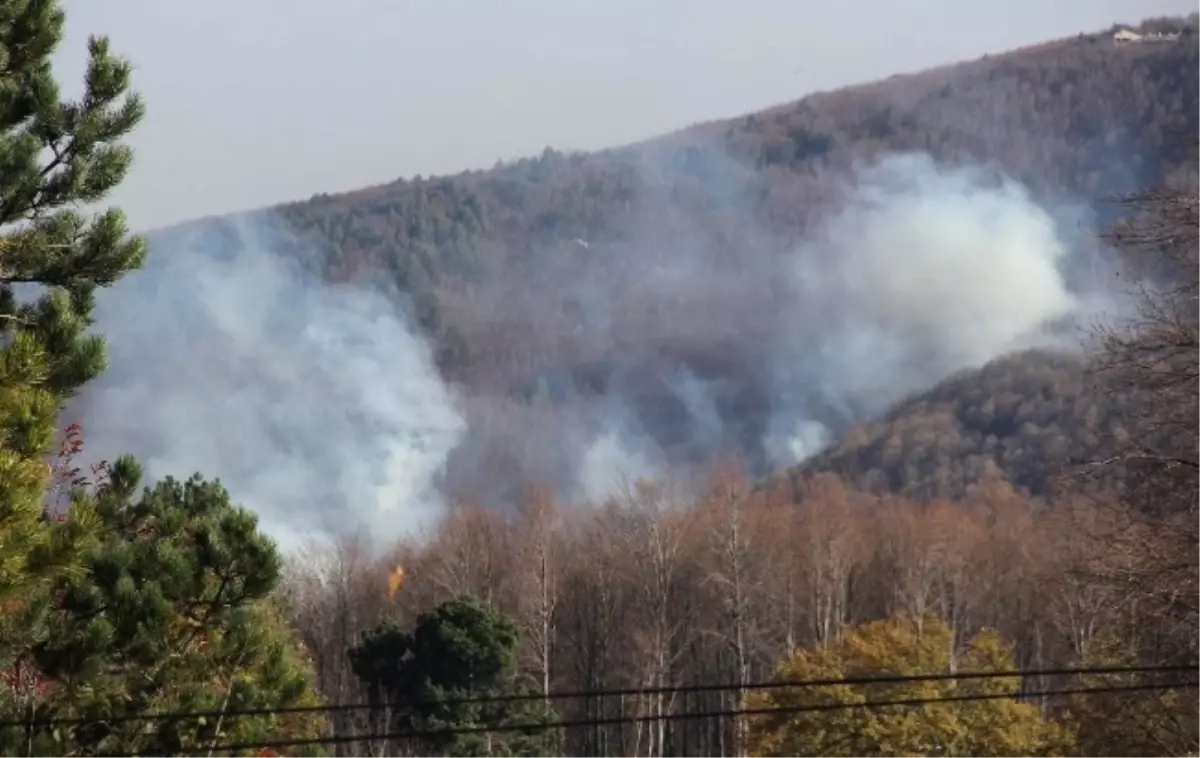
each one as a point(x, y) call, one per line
point(55, 156)
point(462, 650)
point(171, 615)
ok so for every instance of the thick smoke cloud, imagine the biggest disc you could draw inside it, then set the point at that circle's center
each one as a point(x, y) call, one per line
point(317, 406)
point(320, 407)
point(925, 272)
point(716, 339)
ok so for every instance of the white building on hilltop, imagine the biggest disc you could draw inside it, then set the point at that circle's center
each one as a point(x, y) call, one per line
point(1124, 36)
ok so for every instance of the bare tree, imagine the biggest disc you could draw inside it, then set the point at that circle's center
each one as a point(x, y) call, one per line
point(656, 540)
point(730, 572)
point(1154, 355)
point(331, 593)
point(538, 548)
point(471, 555)
point(832, 550)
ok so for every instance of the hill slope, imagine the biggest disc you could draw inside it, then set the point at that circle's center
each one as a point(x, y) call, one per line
point(755, 286)
point(1031, 416)
point(1084, 117)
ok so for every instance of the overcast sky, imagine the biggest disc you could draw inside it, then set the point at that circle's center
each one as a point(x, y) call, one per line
point(252, 102)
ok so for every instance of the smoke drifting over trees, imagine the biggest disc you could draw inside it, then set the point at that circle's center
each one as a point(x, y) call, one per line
point(315, 403)
point(475, 353)
point(320, 406)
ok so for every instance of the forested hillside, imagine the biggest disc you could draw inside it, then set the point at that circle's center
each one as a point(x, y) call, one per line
point(1082, 117)
point(649, 293)
point(973, 504)
point(1034, 416)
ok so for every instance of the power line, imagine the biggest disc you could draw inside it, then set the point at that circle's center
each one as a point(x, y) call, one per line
point(777, 684)
point(613, 720)
point(616, 692)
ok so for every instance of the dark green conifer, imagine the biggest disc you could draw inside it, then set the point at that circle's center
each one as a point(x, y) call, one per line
point(56, 158)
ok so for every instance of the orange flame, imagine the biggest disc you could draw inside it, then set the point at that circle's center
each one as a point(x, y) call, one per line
point(395, 580)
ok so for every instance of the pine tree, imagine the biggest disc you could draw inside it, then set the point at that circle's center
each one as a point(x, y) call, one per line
point(129, 604)
point(460, 652)
point(171, 615)
point(56, 156)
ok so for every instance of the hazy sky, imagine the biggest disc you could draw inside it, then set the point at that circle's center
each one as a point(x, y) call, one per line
point(253, 102)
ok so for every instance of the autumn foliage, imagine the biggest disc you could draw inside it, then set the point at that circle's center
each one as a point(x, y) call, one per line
point(903, 646)
point(657, 589)
point(1039, 514)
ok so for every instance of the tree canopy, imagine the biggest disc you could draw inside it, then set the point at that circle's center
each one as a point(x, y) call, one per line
point(462, 652)
point(111, 605)
point(169, 615)
point(902, 646)
point(55, 155)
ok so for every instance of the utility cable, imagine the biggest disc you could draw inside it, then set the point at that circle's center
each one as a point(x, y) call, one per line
point(824, 707)
point(618, 692)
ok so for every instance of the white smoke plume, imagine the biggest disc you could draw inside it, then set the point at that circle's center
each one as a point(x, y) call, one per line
point(316, 405)
point(925, 272)
point(698, 335)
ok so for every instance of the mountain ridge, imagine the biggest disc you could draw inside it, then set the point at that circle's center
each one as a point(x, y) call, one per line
point(699, 128)
point(572, 296)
